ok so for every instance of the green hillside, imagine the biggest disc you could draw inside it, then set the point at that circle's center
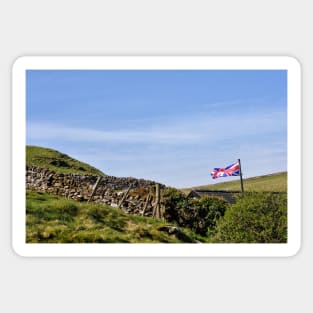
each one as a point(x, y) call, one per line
point(273, 182)
point(52, 219)
point(57, 161)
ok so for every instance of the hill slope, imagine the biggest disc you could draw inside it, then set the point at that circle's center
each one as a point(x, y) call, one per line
point(273, 182)
point(52, 219)
point(57, 161)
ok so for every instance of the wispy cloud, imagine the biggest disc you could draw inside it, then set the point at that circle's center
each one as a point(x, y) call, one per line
point(38, 131)
point(196, 128)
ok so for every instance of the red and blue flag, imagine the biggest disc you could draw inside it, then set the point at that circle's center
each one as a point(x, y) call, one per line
point(230, 170)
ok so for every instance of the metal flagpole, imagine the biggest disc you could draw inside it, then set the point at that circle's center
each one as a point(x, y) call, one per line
point(241, 182)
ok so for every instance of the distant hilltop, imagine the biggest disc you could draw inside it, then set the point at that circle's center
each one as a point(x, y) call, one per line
point(276, 182)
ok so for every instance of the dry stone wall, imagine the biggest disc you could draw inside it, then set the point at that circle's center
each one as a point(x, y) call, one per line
point(110, 189)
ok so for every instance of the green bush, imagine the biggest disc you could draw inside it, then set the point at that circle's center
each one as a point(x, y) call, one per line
point(176, 206)
point(209, 210)
point(200, 215)
point(254, 218)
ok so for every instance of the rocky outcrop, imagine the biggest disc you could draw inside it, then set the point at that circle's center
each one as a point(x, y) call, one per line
point(110, 189)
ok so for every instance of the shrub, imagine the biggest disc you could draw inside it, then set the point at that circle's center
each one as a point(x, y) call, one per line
point(175, 203)
point(209, 210)
point(200, 215)
point(255, 218)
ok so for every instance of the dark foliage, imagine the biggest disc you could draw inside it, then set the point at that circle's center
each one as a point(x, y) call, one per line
point(200, 215)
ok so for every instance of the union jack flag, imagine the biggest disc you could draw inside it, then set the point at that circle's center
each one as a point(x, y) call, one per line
point(230, 170)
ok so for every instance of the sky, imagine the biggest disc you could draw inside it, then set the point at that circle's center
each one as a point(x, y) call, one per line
point(170, 126)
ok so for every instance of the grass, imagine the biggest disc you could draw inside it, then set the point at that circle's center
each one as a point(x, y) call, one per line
point(275, 182)
point(57, 161)
point(52, 219)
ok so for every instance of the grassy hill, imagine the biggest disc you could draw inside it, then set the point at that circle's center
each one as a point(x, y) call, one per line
point(52, 219)
point(273, 182)
point(57, 161)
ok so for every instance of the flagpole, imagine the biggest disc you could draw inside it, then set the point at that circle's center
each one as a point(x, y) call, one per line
point(241, 182)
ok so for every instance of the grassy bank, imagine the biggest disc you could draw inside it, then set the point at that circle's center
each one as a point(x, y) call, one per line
point(51, 219)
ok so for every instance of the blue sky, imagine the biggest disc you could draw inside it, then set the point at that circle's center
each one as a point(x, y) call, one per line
point(172, 126)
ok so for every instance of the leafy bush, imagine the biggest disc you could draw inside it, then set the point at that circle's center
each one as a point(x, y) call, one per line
point(176, 204)
point(200, 215)
point(254, 218)
point(208, 211)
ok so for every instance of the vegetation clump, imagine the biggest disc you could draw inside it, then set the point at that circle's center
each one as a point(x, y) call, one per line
point(200, 215)
point(259, 217)
point(254, 218)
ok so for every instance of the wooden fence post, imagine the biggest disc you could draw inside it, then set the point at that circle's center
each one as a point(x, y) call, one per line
point(146, 205)
point(124, 196)
point(157, 210)
point(94, 188)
